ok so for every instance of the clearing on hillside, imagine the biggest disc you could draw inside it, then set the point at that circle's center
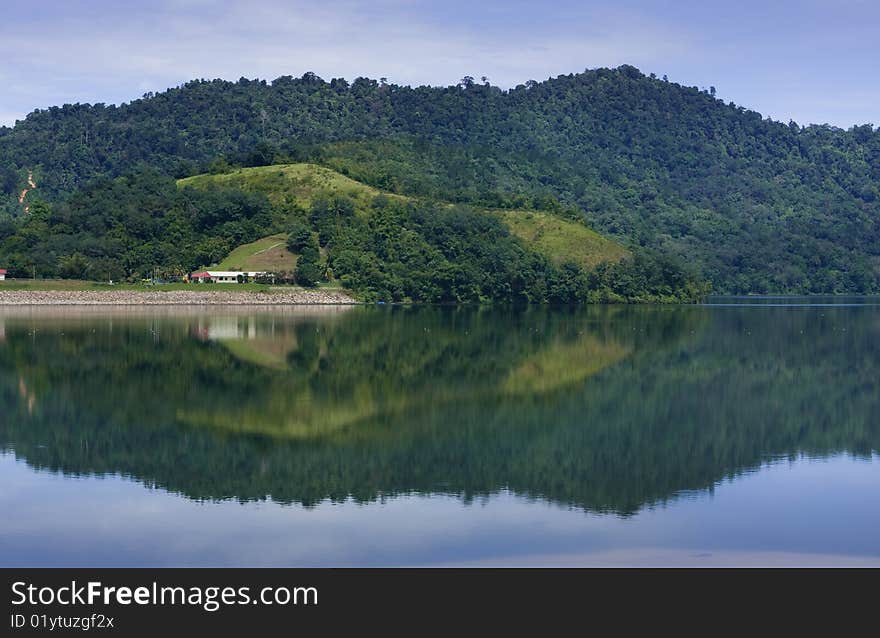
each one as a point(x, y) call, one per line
point(266, 254)
point(562, 240)
point(292, 184)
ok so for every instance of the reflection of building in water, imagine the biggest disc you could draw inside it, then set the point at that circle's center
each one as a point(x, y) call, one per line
point(220, 328)
point(2, 330)
point(259, 340)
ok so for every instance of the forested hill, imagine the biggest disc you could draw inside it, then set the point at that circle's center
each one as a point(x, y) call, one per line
point(760, 206)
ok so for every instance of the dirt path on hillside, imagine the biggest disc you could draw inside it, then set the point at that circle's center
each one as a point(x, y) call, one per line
point(31, 186)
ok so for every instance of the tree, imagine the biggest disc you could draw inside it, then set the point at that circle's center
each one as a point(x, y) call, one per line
point(298, 237)
point(75, 266)
point(328, 214)
point(8, 180)
point(262, 155)
point(308, 266)
point(219, 165)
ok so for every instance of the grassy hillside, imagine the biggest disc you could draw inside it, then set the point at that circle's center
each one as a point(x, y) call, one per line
point(290, 185)
point(562, 240)
point(266, 254)
point(295, 186)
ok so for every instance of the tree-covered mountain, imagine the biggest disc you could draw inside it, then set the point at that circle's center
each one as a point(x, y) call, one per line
point(759, 205)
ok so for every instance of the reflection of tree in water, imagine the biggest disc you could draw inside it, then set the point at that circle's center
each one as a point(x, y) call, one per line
point(606, 409)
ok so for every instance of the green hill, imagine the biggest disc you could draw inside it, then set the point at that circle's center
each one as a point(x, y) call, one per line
point(754, 205)
point(295, 187)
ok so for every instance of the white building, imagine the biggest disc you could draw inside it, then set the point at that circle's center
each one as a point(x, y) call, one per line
point(224, 276)
point(2, 275)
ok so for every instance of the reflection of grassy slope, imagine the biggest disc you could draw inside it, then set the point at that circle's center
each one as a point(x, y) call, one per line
point(268, 352)
point(562, 240)
point(297, 418)
point(269, 253)
point(563, 364)
point(295, 411)
point(295, 185)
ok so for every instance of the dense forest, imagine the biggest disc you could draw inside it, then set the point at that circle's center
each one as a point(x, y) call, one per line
point(132, 227)
point(757, 205)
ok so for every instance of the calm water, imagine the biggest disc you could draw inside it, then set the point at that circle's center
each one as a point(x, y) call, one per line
point(741, 432)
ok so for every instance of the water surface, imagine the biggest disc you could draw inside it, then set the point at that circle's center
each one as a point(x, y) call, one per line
point(740, 432)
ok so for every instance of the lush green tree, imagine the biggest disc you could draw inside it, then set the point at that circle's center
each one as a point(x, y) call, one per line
point(308, 267)
point(75, 266)
point(219, 165)
point(263, 154)
point(299, 235)
point(329, 213)
point(8, 180)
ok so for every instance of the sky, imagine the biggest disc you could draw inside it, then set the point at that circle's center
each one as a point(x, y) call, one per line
point(813, 61)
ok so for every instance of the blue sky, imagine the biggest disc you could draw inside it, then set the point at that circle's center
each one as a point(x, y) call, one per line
point(814, 61)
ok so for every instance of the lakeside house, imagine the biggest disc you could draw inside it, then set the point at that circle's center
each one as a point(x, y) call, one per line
point(224, 276)
point(2, 275)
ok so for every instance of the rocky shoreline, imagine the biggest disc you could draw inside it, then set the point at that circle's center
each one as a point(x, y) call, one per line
point(294, 297)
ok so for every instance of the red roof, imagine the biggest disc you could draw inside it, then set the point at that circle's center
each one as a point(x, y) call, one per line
point(199, 275)
point(2, 272)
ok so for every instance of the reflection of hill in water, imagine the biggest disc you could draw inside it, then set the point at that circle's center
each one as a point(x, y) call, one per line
point(606, 409)
point(334, 384)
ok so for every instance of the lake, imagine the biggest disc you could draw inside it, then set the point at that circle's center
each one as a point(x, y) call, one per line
point(741, 432)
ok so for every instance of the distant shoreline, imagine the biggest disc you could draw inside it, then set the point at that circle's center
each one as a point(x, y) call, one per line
point(294, 297)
